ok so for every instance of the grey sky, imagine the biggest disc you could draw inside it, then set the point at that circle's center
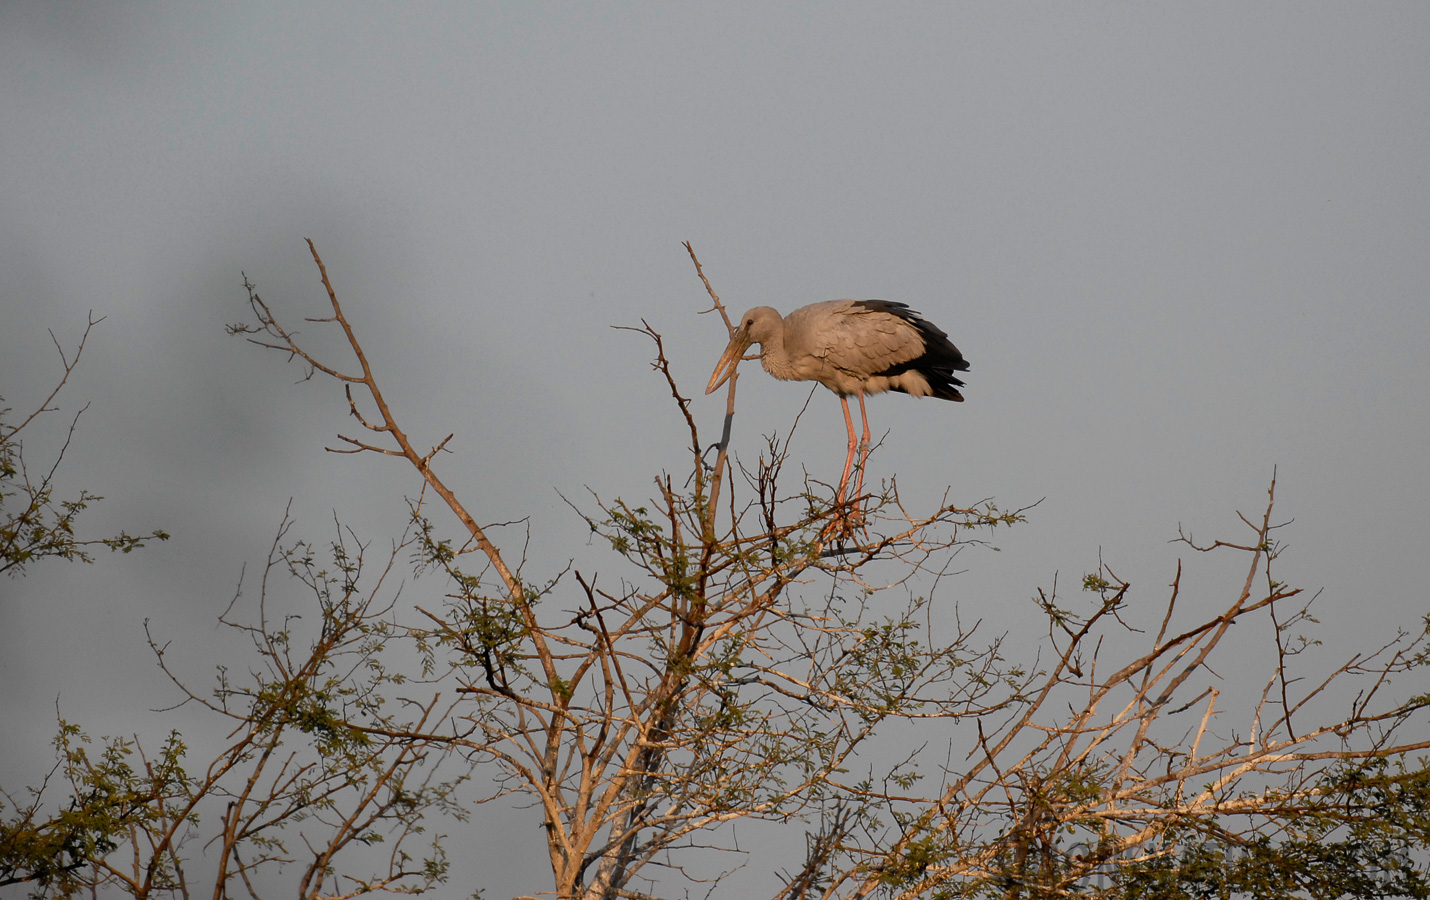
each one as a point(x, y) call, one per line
point(1180, 244)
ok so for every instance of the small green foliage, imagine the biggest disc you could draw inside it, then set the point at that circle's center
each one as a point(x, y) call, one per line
point(108, 798)
point(561, 689)
point(35, 524)
point(910, 866)
point(630, 531)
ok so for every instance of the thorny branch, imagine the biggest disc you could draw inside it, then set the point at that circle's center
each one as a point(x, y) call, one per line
point(723, 448)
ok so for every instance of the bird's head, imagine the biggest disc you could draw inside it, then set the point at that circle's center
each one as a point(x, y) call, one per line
point(756, 327)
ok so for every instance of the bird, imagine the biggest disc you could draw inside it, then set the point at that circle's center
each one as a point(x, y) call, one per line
point(854, 348)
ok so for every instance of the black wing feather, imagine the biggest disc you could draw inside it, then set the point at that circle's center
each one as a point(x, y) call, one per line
point(940, 358)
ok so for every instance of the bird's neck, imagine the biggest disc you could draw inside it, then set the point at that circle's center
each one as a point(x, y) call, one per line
point(776, 359)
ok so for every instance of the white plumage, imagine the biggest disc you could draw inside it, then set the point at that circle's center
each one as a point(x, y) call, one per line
point(852, 347)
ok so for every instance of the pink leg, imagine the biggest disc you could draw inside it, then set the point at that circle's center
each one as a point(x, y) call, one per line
point(853, 442)
point(863, 446)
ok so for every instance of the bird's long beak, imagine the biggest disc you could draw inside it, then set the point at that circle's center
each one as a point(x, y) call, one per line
point(731, 358)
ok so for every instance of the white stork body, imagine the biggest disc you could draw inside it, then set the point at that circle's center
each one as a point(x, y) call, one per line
point(852, 347)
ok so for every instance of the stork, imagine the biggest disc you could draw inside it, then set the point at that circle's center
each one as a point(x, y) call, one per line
point(852, 347)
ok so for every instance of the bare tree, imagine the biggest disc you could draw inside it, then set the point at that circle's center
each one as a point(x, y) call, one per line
point(296, 784)
point(763, 648)
point(665, 709)
point(1087, 776)
point(751, 653)
point(293, 785)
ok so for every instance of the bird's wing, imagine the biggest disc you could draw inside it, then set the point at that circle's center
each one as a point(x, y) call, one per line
point(862, 337)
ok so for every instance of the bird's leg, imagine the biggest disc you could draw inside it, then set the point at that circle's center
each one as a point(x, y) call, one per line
point(844, 523)
point(863, 450)
point(849, 459)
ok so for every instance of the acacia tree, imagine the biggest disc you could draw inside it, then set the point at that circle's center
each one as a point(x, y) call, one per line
point(747, 655)
point(294, 791)
point(292, 786)
point(761, 647)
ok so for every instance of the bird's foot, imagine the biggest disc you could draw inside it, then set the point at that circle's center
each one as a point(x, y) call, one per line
point(847, 519)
